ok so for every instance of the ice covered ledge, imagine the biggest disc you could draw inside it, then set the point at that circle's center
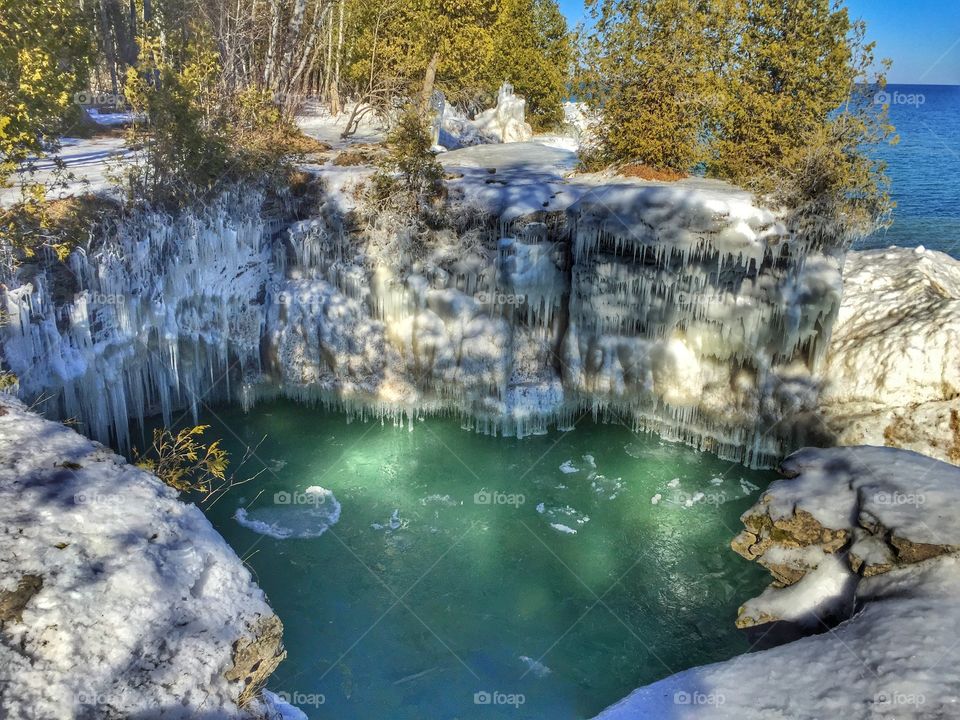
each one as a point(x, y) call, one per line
point(868, 532)
point(116, 599)
point(892, 372)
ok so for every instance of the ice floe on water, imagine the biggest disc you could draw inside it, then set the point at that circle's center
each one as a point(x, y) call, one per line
point(293, 515)
point(394, 523)
point(538, 669)
point(568, 467)
point(748, 487)
point(440, 500)
point(675, 483)
point(605, 487)
point(656, 499)
point(561, 518)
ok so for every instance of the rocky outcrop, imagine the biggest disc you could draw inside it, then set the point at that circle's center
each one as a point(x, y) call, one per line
point(117, 600)
point(841, 515)
point(892, 373)
point(256, 656)
point(863, 544)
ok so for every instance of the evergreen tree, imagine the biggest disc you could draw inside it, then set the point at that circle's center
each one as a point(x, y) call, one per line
point(650, 75)
point(533, 51)
point(44, 58)
point(792, 68)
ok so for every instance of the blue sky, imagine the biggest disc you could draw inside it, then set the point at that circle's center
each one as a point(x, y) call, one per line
point(922, 37)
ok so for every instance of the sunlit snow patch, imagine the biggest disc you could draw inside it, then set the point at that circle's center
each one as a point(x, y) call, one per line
point(299, 515)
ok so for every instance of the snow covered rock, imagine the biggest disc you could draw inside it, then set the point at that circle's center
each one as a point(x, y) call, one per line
point(892, 372)
point(117, 600)
point(843, 513)
point(872, 532)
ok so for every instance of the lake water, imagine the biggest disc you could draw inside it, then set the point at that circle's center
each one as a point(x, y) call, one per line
point(445, 574)
point(924, 169)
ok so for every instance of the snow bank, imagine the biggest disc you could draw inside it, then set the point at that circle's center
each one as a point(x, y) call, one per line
point(893, 367)
point(890, 658)
point(116, 599)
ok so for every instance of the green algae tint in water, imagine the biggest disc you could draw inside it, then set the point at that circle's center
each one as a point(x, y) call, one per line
point(452, 576)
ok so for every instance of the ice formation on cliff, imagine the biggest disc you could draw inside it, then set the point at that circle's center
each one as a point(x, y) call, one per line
point(678, 308)
point(507, 120)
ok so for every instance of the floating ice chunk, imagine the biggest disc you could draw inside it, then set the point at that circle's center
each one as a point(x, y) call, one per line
point(675, 483)
point(395, 523)
point(562, 515)
point(566, 529)
point(436, 499)
point(602, 485)
point(308, 519)
point(748, 487)
point(568, 467)
point(656, 499)
point(589, 460)
point(716, 480)
point(537, 668)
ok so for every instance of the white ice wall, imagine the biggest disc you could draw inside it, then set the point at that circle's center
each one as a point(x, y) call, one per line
point(681, 309)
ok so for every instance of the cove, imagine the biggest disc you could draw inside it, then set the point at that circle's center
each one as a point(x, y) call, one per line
point(468, 576)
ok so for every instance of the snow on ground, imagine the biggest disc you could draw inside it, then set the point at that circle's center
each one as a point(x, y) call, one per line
point(89, 163)
point(117, 600)
point(893, 366)
point(317, 122)
point(897, 656)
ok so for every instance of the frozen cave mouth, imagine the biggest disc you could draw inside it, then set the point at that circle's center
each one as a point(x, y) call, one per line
point(427, 571)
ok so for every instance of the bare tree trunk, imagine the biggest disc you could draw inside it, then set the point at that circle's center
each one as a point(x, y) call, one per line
point(272, 44)
point(311, 49)
point(291, 42)
point(335, 90)
point(109, 46)
point(429, 78)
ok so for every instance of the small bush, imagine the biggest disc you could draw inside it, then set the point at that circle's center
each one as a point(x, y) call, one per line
point(184, 462)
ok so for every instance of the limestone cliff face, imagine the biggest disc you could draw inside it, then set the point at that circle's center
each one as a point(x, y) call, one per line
point(841, 515)
point(682, 309)
point(117, 600)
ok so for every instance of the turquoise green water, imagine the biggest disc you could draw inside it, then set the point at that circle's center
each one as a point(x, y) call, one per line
point(420, 599)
